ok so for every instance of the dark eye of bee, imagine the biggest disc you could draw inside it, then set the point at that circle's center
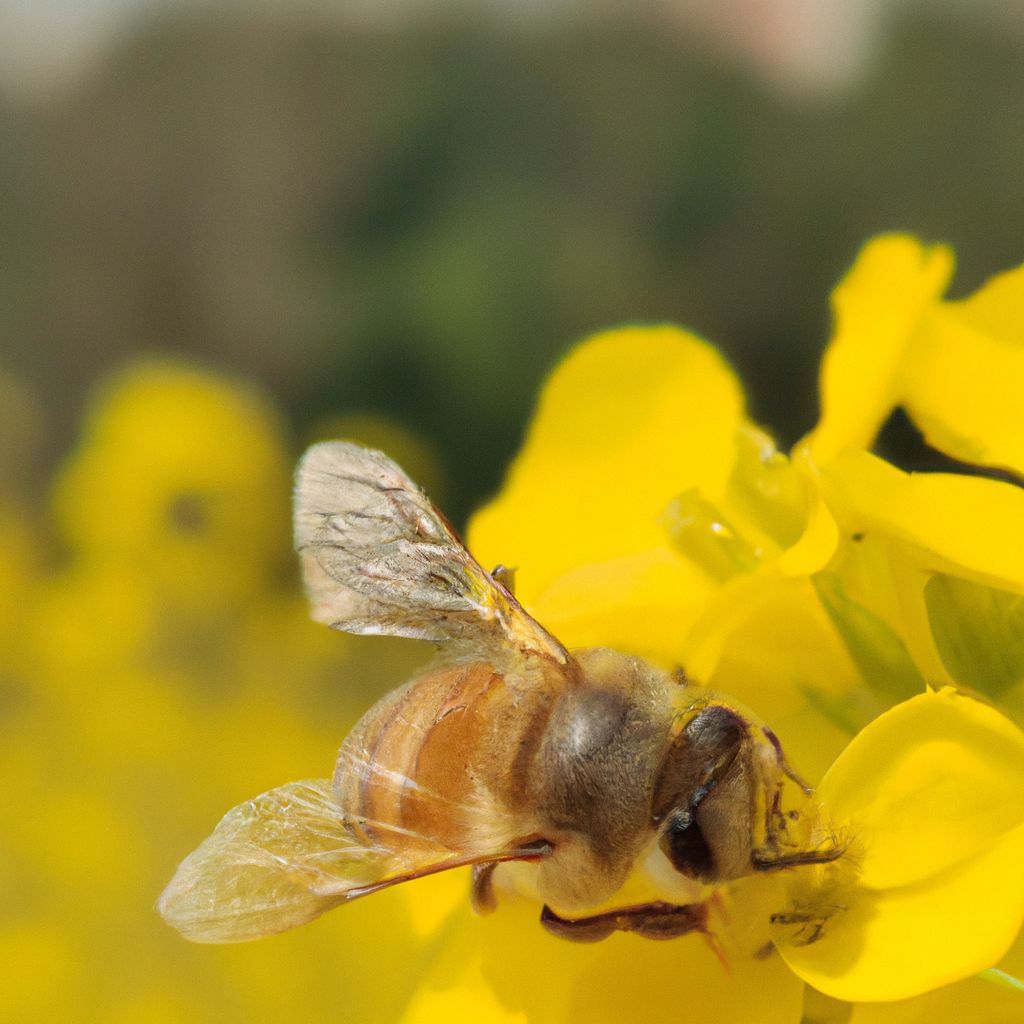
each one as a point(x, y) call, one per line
point(699, 759)
point(686, 848)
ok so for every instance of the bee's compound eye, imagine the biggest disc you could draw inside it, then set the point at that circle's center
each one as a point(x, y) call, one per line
point(686, 848)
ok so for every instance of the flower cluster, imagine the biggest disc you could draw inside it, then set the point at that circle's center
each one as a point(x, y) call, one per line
point(873, 616)
point(165, 670)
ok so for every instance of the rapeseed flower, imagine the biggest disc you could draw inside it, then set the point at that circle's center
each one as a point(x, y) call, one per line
point(647, 512)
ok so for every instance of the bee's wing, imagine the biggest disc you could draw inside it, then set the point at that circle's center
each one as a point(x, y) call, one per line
point(271, 863)
point(378, 557)
point(285, 858)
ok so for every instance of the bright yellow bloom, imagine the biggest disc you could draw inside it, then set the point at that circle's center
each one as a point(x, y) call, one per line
point(931, 795)
point(955, 366)
point(647, 513)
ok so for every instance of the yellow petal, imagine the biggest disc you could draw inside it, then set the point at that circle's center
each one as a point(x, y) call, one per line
point(765, 636)
point(974, 999)
point(768, 492)
point(901, 530)
point(965, 374)
point(964, 525)
point(907, 941)
point(818, 538)
point(469, 1002)
point(815, 546)
point(957, 367)
point(629, 420)
point(504, 969)
point(932, 795)
point(638, 603)
point(877, 308)
point(927, 785)
point(881, 655)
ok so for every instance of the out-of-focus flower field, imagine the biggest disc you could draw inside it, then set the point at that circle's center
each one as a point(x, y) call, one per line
point(158, 666)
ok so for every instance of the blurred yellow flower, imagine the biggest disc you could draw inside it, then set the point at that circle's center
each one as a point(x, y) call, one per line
point(183, 477)
point(148, 679)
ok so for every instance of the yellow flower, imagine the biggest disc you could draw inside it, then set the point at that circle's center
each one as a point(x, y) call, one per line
point(955, 366)
point(932, 797)
point(948, 545)
point(182, 476)
point(646, 512)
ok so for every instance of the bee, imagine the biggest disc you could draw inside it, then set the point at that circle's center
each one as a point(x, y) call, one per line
point(579, 764)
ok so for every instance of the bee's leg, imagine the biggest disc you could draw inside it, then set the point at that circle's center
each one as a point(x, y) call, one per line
point(811, 925)
point(778, 853)
point(666, 920)
point(771, 860)
point(651, 920)
point(787, 769)
point(584, 929)
point(482, 895)
point(771, 857)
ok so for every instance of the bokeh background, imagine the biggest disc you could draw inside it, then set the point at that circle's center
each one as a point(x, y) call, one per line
point(229, 229)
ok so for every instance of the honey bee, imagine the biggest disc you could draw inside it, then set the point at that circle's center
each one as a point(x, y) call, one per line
point(579, 764)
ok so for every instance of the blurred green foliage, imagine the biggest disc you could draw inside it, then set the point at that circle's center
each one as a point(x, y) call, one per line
point(418, 219)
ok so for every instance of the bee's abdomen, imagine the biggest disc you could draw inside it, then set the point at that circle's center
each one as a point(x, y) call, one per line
point(414, 768)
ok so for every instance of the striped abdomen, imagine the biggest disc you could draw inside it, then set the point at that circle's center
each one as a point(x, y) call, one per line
point(445, 760)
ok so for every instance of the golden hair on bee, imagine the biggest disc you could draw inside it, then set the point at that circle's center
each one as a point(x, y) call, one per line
point(510, 748)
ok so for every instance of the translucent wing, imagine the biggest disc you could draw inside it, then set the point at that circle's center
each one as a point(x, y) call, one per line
point(379, 558)
point(286, 857)
point(271, 863)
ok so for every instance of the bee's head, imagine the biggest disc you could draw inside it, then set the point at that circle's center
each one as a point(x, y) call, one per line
point(706, 802)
